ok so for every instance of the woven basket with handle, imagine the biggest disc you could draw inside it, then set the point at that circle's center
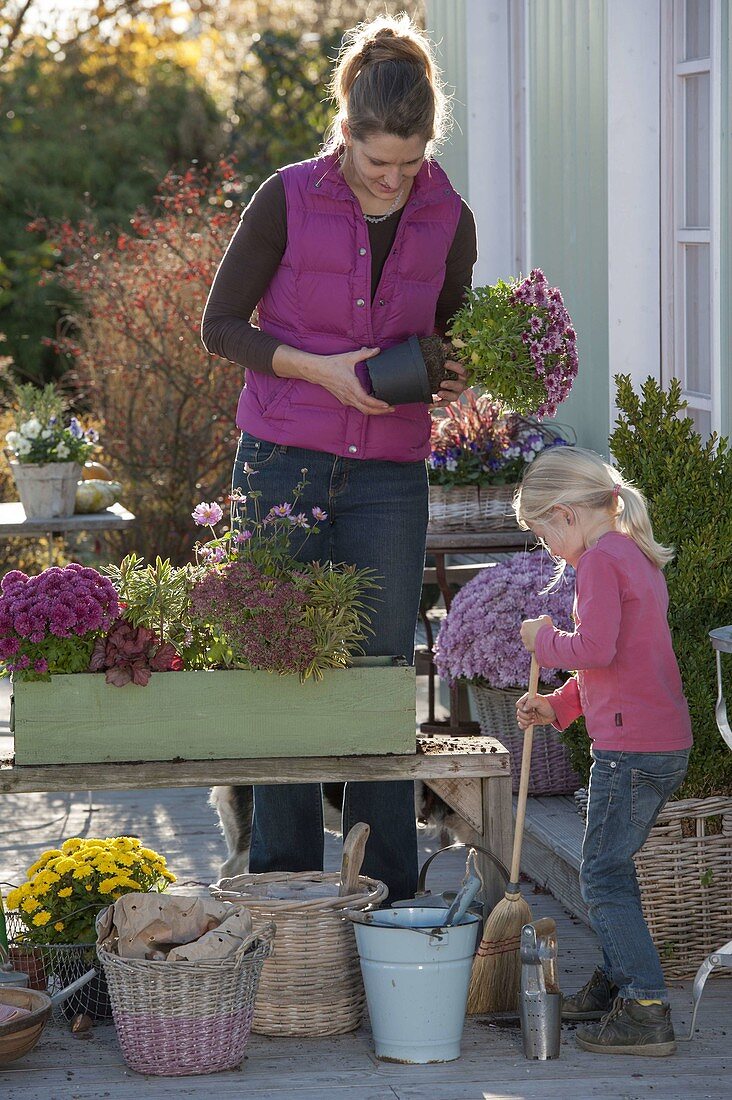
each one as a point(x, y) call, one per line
point(312, 983)
point(685, 878)
point(471, 507)
point(179, 1018)
point(551, 771)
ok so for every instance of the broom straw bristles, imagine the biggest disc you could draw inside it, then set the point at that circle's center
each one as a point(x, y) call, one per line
point(496, 974)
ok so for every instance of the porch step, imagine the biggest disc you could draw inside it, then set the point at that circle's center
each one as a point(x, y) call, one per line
point(552, 847)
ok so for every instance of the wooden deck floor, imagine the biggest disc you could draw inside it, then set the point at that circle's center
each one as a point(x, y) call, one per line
point(492, 1066)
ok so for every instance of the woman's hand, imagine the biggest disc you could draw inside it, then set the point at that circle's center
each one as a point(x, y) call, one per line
point(531, 627)
point(451, 388)
point(534, 711)
point(337, 374)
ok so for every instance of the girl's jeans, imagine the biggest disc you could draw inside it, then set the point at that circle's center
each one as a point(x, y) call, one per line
point(377, 519)
point(627, 792)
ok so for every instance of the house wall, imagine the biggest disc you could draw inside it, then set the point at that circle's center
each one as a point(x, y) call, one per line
point(552, 212)
point(726, 223)
point(567, 187)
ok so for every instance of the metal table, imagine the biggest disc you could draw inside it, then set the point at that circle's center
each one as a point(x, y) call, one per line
point(15, 524)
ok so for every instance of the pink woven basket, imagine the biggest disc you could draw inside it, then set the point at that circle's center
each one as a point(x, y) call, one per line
point(551, 771)
point(175, 1019)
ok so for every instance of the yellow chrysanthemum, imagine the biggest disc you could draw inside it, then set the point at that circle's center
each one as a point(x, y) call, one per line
point(59, 926)
point(63, 866)
point(71, 845)
point(88, 888)
point(82, 871)
point(168, 875)
point(30, 904)
point(66, 892)
point(13, 898)
point(107, 885)
point(41, 918)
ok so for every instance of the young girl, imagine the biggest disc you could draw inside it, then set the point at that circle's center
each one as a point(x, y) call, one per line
point(628, 687)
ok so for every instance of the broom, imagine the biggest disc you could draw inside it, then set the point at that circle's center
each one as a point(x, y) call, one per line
point(494, 982)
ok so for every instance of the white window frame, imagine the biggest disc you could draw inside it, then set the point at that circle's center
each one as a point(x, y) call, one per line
point(674, 233)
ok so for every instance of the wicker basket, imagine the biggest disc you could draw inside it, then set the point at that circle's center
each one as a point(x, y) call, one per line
point(312, 984)
point(471, 507)
point(686, 883)
point(551, 771)
point(180, 1018)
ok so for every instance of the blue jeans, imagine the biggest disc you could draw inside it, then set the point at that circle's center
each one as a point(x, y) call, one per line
point(627, 792)
point(377, 519)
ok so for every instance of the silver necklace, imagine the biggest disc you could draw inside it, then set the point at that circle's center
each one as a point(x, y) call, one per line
point(373, 218)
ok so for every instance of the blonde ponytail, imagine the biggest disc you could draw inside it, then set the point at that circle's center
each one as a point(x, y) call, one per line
point(633, 520)
point(576, 478)
point(386, 80)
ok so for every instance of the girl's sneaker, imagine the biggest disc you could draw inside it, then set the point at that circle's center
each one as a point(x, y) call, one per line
point(631, 1028)
point(593, 1001)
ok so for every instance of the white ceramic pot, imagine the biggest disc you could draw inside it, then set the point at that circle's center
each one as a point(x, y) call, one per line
point(46, 490)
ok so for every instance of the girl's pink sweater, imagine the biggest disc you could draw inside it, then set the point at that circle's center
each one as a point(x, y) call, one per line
point(627, 684)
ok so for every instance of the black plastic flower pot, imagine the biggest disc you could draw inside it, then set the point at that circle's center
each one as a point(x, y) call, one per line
point(399, 375)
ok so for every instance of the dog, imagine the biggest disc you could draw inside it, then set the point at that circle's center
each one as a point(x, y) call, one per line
point(234, 805)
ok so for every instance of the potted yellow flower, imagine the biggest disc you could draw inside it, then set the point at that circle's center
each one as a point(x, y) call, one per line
point(52, 913)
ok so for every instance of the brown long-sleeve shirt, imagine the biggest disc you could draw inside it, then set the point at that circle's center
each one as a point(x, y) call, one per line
point(255, 252)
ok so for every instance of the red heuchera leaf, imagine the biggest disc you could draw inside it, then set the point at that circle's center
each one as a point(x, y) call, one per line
point(130, 654)
point(119, 675)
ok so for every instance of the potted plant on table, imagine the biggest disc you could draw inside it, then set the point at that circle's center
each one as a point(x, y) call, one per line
point(516, 339)
point(480, 643)
point(47, 451)
point(52, 913)
point(480, 450)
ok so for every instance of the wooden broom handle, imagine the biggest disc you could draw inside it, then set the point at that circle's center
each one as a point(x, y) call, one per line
point(524, 780)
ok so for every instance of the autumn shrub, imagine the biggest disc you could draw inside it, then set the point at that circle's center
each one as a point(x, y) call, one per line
point(167, 405)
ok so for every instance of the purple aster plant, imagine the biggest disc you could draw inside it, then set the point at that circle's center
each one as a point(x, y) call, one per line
point(518, 343)
point(480, 639)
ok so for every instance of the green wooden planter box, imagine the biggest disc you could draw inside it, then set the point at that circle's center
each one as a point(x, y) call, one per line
point(80, 719)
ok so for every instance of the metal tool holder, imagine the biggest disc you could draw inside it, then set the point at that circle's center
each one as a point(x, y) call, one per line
point(540, 1002)
point(722, 643)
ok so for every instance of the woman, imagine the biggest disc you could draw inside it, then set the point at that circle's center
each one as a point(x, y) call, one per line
point(343, 255)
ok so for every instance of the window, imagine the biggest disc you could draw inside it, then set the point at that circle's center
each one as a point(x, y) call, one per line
point(690, 215)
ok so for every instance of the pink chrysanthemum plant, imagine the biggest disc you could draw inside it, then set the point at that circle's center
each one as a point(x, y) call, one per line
point(271, 610)
point(49, 623)
point(518, 342)
point(480, 639)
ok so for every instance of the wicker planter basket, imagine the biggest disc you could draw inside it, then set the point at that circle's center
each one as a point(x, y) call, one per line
point(471, 507)
point(686, 883)
point(312, 984)
point(179, 1018)
point(551, 771)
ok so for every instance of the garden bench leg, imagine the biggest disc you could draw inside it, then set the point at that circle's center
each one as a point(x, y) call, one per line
point(497, 835)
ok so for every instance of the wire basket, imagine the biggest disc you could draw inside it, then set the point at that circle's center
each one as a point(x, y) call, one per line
point(551, 771)
point(471, 507)
point(312, 985)
point(174, 1019)
point(52, 966)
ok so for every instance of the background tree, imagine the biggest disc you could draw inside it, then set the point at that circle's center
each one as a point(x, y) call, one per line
point(166, 405)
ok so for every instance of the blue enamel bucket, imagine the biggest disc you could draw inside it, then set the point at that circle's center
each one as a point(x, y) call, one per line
point(416, 972)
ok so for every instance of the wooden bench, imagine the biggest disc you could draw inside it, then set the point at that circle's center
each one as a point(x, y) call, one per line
point(472, 774)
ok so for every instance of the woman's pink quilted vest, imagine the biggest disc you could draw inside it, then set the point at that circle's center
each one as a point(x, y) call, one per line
point(320, 301)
